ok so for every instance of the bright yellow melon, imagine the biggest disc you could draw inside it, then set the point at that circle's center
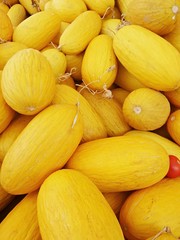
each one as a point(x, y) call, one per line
point(28, 82)
point(70, 206)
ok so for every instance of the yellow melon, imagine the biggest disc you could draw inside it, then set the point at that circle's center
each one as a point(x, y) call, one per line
point(146, 211)
point(28, 88)
point(37, 30)
point(99, 65)
point(67, 10)
point(146, 109)
point(121, 163)
point(17, 13)
point(158, 69)
point(70, 206)
point(80, 32)
point(157, 16)
point(44, 146)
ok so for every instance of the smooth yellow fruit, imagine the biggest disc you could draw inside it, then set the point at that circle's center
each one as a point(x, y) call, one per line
point(70, 206)
point(37, 30)
point(48, 142)
point(7, 50)
point(92, 122)
point(157, 16)
point(6, 27)
point(67, 10)
point(173, 126)
point(146, 109)
point(28, 88)
point(146, 211)
point(21, 222)
point(174, 97)
point(57, 61)
point(158, 69)
point(80, 32)
point(171, 147)
point(17, 13)
point(101, 7)
point(9, 135)
point(7, 113)
point(116, 200)
point(99, 65)
point(110, 165)
point(126, 80)
point(110, 26)
point(10, 2)
point(109, 110)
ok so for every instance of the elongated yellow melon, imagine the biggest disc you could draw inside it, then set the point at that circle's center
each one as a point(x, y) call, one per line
point(99, 65)
point(67, 10)
point(153, 60)
point(93, 125)
point(70, 206)
point(37, 30)
point(80, 32)
point(28, 82)
point(17, 13)
point(147, 211)
point(21, 222)
point(44, 146)
point(158, 16)
point(121, 163)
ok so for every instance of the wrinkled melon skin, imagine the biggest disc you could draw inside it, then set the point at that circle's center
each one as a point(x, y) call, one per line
point(146, 212)
point(70, 206)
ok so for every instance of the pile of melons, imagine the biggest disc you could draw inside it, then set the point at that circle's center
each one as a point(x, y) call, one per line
point(90, 119)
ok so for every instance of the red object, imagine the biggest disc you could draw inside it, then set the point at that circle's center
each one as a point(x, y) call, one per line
point(174, 167)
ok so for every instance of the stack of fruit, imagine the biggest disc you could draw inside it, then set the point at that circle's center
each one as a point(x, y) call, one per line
point(90, 119)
